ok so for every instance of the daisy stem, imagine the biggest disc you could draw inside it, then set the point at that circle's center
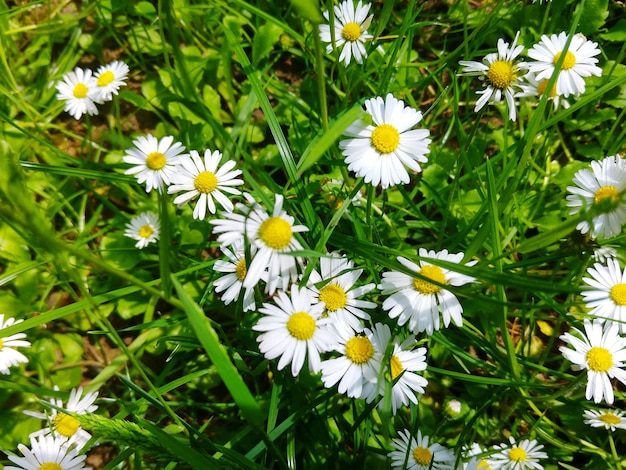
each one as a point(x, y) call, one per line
point(321, 82)
point(618, 463)
point(164, 245)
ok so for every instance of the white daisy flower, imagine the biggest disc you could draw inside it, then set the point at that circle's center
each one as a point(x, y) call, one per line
point(417, 454)
point(606, 296)
point(417, 301)
point(9, 355)
point(79, 90)
point(273, 237)
point(360, 360)
point(109, 79)
point(477, 458)
point(502, 74)
point(203, 178)
point(607, 419)
point(231, 283)
point(47, 453)
point(579, 61)
point(144, 228)
point(518, 455)
point(602, 352)
point(350, 31)
point(602, 185)
point(533, 88)
point(155, 160)
point(335, 290)
point(63, 426)
point(405, 361)
point(293, 329)
point(380, 151)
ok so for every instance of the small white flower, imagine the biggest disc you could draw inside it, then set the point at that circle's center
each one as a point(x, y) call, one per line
point(607, 294)
point(417, 301)
point(477, 459)
point(602, 185)
point(502, 74)
point(380, 151)
point(9, 355)
point(144, 228)
point(232, 282)
point(531, 87)
point(205, 179)
point(518, 455)
point(79, 90)
point(155, 160)
point(602, 352)
point(579, 62)
point(293, 329)
point(47, 453)
point(63, 426)
point(350, 31)
point(607, 419)
point(417, 454)
point(360, 360)
point(109, 79)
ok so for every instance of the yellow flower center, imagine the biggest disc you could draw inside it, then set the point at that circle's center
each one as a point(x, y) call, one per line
point(541, 88)
point(333, 296)
point(145, 231)
point(618, 294)
point(1, 344)
point(359, 350)
point(241, 269)
point(423, 456)
point(568, 63)
point(431, 272)
point(106, 78)
point(385, 138)
point(610, 418)
point(155, 161)
point(276, 233)
point(606, 192)
point(517, 454)
point(599, 359)
point(65, 425)
point(50, 466)
point(501, 74)
point(396, 367)
point(205, 182)
point(80, 90)
point(301, 326)
point(351, 32)
point(483, 465)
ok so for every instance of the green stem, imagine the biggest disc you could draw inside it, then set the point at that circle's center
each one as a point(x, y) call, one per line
point(165, 242)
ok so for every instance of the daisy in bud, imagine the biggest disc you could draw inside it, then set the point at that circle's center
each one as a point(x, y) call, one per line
point(360, 360)
point(607, 419)
point(144, 228)
point(155, 161)
point(47, 453)
point(579, 62)
point(231, 283)
point(293, 329)
point(602, 185)
point(606, 295)
point(415, 453)
point(79, 90)
point(9, 355)
point(415, 300)
point(501, 73)
point(602, 352)
point(350, 31)
point(521, 455)
point(203, 178)
point(109, 79)
point(380, 150)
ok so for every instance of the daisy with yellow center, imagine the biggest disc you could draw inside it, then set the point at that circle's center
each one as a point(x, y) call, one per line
point(579, 62)
point(477, 458)
point(533, 88)
point(359, 361)
point(501, 72)
point(607, 419)
point(155, 161)
point(9, 355)
point(203, 179)
point(231, 283)
point(144, 228)
point(416, 453)
point(48, 453)
point(601, 189)
point(293, 329)
point(602, 352)
point(335, 289)
point(381, 150)
point(79, 91)
point(418, 299)
point(605, 295)
point(350, 28)
point(109, 79)
point(521, 455)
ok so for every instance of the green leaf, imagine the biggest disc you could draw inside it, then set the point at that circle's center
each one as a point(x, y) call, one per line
point(594, 14)
point(308, 10)
point(617, 32)
point(263, 43)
